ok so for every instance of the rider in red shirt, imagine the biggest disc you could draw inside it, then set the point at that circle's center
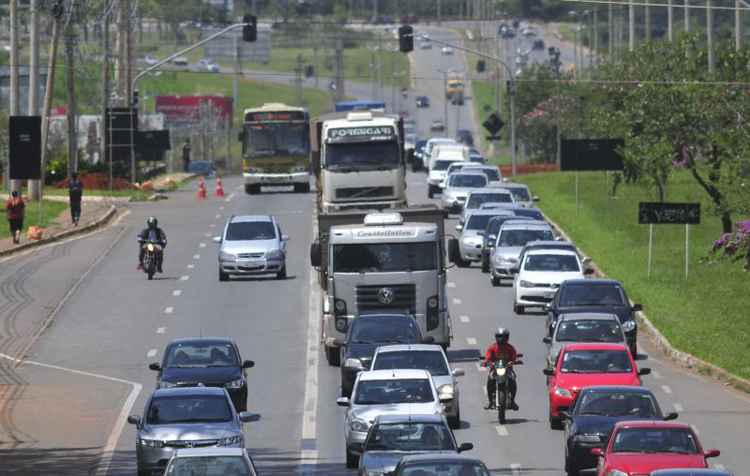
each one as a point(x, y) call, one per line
point(501, 349)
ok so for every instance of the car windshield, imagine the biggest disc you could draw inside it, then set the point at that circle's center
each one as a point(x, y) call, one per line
point(529, 213)
point(444, 469)
point(589, 330)
point(410, 437)
point(250, 230)
point(493, 175)
point(596, 362)
point(209, 466)
point(431, 360)
point(201, 354)
point(374, 155)
point(655, 440)
point(188, 409)
point(477, 199)
point(616, 404)
point(392, 391)
point(551, 262)
point(442, 164)
point(591, 295)
point(521, 194)
point(455, 167)
point(493, 227)
point(383, 330)
point(468, 181)
point(512, 238)
point(384, 257)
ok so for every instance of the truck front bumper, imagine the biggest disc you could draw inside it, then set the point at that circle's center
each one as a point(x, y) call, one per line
point(375, 204)
point(277, 179)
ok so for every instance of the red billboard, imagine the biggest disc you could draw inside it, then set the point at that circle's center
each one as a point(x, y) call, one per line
point(187, 109)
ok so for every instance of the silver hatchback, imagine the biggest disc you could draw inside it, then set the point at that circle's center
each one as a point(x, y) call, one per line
point(251, 245)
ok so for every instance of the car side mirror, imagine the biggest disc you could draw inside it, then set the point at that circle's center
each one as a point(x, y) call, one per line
point(637, 307)
point(712, 453)
point(519, 355)
point(459, 227)
point(428, 340)
point(588, 271)
point(536, 199)
point(547, 340)
point(465, 447)
point(586, 260)
point(564, 415)
point(315, 254)
point(154, 366)
point(284, 237)
point(248, 364)
point(135, 420)
point(217, 239)
point(247, 417)
point(644, 371)
point(343, 402)
point(671, 416)
point(458, 372)
point(597, 452)
point(548, 372)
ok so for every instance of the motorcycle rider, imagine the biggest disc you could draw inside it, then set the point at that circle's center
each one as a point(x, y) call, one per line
point(501, 349)
point(153, 233)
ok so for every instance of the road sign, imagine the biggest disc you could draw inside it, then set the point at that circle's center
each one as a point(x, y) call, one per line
point(493, 124)
point(657, 213)
point(591, 154)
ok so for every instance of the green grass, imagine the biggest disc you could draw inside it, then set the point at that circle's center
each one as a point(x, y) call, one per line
point(705, 315)
point(50, 211)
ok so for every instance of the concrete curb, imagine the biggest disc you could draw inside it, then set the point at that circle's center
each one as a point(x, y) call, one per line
point(64, 234)
point(679, 357)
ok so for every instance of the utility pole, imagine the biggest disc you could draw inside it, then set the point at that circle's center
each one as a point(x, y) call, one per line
point(647, 13)
point(340, 93)
point(737, 25)
point(610, 30)
point(104, 152)
point(710, 35)
point(70, 84)
point(687, 15)
point(298, 79)
point(670, 21)
point(34, 188)
point(631, 26)
point(14, 86)
point(439, 14)
point(594, 46)
point(50, 86)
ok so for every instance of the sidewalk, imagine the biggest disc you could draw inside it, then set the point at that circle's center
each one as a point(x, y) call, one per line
point(91, 212)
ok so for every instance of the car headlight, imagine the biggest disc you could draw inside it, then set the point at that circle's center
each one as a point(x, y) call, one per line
point(587, 438)
point(235, 384)
point(563, 392)
point(227, 256)
point(354, 364)
point(628, 326)
point(150, 443)
point(446, 392)
point(358, 425)
point(500, 371)
point(275, 254)
point(617, 472)
point(231, 441)
point(164, 384)
point(525, 284)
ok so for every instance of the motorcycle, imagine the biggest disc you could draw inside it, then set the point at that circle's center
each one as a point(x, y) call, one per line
point(151, 256)
point(500, 371)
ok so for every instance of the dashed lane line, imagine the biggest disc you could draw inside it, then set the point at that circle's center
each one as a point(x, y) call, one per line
point(471, 341)
point(161, 330)
point(202, 245)
point(501, 430)
point(655, 374)
point(230, 197)
point(456, 301)
point(151, 353)
point(515, 468)
point(218, 215)
point(190, 266)
point(678, 407)
point(177, 292)
point(169, 310)
point(185, 278)
point(221, 207)
point(464, 319)
point(451, 284)
point(196, 256)
point(666, 389)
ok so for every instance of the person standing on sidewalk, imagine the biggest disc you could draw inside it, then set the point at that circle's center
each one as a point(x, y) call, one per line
point(186, 156)
point(75, 194)
point(15, 208)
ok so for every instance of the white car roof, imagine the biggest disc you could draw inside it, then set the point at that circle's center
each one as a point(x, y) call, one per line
point(197, 452)
point(409, 347)
point(397, 374)
point(551, 252)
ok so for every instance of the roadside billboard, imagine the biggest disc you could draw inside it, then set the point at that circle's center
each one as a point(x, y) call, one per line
point(181, 110)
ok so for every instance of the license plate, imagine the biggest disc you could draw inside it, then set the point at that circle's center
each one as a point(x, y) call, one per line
point(277, 179)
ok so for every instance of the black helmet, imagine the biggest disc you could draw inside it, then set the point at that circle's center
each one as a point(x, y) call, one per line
point(502, 335)
point(152, 222)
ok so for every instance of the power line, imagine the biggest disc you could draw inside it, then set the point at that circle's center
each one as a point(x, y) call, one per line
point(665, 5)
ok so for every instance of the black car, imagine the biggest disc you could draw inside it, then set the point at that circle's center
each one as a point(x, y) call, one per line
point(440, 463)
point(490, 235)
point(464, 136)
point(211, 362)
point(423, 101)
point(365, 334)
point(595, 295)
point(594, 414)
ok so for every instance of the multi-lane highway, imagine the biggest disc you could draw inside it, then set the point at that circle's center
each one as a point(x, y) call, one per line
point(86, 324)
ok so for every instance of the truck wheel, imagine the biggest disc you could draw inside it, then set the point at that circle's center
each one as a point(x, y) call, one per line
point(495, 281)
point(518, 309)
point(485, 264)
point(333, 356)
point(352, 460)
point(430, 192)
point(305, 188)
point(252, 189)
point(281, 274)
point(223, 276)
point(462, 263)
point(455, 422)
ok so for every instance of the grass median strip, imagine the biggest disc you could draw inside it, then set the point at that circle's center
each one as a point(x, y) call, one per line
point(50, 211)
point(705, 315)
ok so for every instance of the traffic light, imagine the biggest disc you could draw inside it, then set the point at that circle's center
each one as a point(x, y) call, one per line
point(481, 66)
point(250, 30)
point(406, 39)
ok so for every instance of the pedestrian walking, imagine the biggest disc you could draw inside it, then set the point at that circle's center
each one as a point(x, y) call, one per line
point(15, 208)
point(186, 155)
point(75, 194)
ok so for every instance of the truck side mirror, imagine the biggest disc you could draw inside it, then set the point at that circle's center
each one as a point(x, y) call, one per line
point(241, 136)
point(453, 252)
point(315, 257)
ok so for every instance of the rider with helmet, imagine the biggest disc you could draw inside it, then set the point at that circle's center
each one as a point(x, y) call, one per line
point(152, 233)
point(501, 349)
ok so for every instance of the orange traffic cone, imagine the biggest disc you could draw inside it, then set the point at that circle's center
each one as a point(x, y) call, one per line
point(219, 187)
point(202, 189)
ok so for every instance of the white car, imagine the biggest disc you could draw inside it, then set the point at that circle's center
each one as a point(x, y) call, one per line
point(431, 143)
point(447, 50)
point(428, 357)
point(457, 188)
point(385, 392)
point(489, 194)
point(540, 274)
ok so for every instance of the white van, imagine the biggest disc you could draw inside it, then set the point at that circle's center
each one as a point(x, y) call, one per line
point(441, 158)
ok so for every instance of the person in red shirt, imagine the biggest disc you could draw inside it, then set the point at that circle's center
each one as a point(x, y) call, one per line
point(15, 208)
point(501, 349)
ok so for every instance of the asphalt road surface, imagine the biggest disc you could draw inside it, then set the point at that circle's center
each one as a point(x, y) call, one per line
point(87, 324)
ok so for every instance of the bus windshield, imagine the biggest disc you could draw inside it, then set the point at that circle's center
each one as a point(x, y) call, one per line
point(272, 139)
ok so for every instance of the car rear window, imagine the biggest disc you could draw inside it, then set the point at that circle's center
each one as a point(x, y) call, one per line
point(655, 440)
point(589, 330)
point(477, 199)
point(188, 409)
point(250, 230)
point(616, 404)
point(432, 361)
point(388, 392)
point(585, 294)
point(513, 238)
point(209, 466)
point(466, 180)
point(596, 361)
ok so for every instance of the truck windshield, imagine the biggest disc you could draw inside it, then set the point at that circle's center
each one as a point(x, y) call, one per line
point(384, 257)
point(380, 155)
point(267, 140)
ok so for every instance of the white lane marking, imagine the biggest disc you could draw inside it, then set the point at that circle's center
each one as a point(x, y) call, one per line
point(190, 266)
point(471, 341)
point(464, 319)
point(177, 292)
point(231, 196)
point(515, 468)
point(500, 429)
point(114, 436)
point(221, 207)
point(719, 466)
point(169, 310)
point(666, 389)
point(451, 284)
point(207, 235)
point(679, 408)
point(186, 277)
point(202, 245)
point(484, 389)
point(151, 353)
point(218, 215)
point(309, 455)
point(161, 330)
point(456, 301)
point(212, 225)
point(196, 256)
point(655, 374)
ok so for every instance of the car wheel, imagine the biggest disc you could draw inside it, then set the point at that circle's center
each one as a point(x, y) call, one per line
point(144, 472)
point(333, 356)
point(495, 281)
point(570, 468)
point(462, 263)
point(223, 276)
point(430, 193)
point(518, 309)
point(555, 423)
point(281, 274)
point(485, 264)
point(352, 460)
point(634, 349)
point(455, 422)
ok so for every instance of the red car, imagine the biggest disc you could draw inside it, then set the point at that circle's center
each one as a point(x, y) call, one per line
point(586, 365)
point(636, 448)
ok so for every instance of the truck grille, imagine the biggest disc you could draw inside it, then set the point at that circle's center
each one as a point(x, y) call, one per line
point(384, 296)
point(364, 192)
